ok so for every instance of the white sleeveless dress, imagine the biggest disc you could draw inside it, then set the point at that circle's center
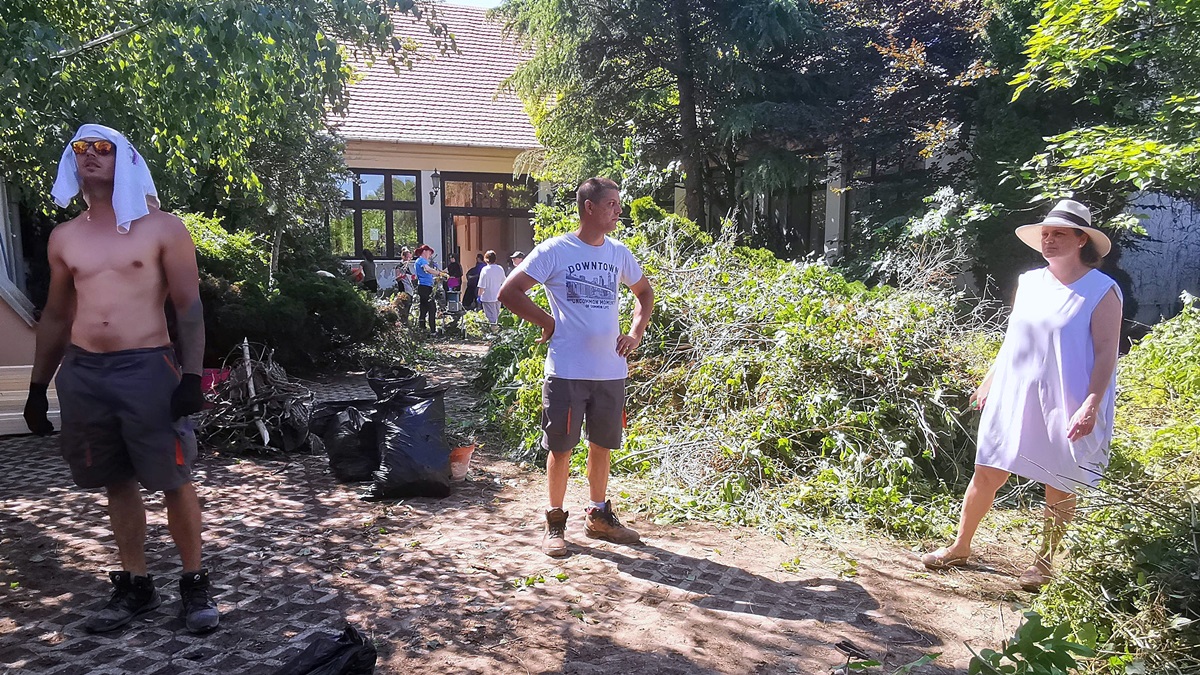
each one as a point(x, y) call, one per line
point(1040, 380)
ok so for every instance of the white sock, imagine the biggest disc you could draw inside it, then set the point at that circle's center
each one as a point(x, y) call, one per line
point(599, 505)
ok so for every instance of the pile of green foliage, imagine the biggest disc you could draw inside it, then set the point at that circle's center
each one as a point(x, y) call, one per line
point(1132, 584)
point(307, 319)
point(769, 391)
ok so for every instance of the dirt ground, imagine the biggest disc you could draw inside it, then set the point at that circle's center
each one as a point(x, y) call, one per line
point(459, 585)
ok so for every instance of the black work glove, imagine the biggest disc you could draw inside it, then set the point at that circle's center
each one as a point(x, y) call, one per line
point(36, 407)
point(188, 399)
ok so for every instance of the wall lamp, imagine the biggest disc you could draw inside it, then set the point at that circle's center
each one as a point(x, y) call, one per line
point(436, 181)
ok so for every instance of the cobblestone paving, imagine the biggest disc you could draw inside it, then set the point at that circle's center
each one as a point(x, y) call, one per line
point(453, 585)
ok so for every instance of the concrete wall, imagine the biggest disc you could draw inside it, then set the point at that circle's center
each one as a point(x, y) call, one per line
point(16, 349)
point(16, 311)
point(1169, 261)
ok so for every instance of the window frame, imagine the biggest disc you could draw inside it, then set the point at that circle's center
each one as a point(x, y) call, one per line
point(389, 205)
point(449, 235)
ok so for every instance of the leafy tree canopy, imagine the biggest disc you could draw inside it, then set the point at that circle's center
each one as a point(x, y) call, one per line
point(218, 94)
point(1138, 58)
point(731, 91)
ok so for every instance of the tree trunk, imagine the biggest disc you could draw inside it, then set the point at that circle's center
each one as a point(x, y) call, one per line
point(689, 129)
point(274, 268)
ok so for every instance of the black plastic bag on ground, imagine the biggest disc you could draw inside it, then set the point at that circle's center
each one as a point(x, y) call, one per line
point(350, 442)
point(349, 654)
point(414, 455)
point(324, 413)
point(387, 381)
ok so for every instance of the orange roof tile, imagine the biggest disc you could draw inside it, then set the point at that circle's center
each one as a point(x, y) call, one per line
point(446, 99)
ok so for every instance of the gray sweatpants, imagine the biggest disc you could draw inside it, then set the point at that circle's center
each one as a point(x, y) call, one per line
point(492, 311)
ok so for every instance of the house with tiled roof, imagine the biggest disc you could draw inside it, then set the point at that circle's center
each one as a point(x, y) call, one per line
point(433, 147)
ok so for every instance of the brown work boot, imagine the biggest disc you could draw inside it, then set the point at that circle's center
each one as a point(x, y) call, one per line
point(603, 524)
point(554, 542)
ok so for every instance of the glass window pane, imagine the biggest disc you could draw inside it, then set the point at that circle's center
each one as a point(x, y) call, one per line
point(372, 185)
point(341, 235)
point(404, 188)
point(374, 231)
point(404, 231)
point(489, 195)
point(521, 195)
point(457, 193)
point(348, 188)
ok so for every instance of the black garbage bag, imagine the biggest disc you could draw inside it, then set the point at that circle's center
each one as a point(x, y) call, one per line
point(325, 412)
point(349, 654)
point(414, 455)
point(350, 442)
point(387, 381)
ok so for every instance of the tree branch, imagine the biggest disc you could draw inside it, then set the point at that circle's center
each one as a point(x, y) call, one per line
point(100, 41)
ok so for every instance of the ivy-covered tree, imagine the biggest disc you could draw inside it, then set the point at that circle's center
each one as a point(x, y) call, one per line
point(227, 99)
point(648, 68)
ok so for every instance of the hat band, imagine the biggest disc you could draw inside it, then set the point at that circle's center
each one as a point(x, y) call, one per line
point(1068, 216)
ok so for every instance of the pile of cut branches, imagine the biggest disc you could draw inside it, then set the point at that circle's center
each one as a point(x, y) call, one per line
point(767, 388)
point(258, 408)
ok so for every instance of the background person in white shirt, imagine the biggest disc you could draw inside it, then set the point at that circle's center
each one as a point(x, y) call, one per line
point(514, 261)
point(491, 278)
point(586, 360)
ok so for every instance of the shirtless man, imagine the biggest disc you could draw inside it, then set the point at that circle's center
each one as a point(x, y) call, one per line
point(124, 398)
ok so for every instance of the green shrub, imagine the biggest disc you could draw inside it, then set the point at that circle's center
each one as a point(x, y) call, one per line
point(236, 256)
point(1035, 649)
point(307, 319)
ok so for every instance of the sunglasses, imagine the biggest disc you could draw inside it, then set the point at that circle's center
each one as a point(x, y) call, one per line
point(102, 147)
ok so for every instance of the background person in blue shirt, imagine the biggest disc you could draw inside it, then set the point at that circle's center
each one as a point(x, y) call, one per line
point(425, 271)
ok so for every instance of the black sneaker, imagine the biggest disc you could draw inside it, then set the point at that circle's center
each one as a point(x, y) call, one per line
point(196, 608)
point(132, 596)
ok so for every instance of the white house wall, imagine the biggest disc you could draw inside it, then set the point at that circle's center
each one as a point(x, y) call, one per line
point(418, 157)
point(1169, 261)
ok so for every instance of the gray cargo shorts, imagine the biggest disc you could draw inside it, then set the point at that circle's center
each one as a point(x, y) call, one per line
point(566, 404)
point(116, 418)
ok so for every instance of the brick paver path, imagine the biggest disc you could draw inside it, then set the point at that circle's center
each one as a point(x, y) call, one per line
point(450, 586)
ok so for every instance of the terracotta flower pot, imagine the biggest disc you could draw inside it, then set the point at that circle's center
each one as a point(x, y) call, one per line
point(460, 461)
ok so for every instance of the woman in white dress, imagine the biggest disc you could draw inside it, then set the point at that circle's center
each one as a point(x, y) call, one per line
point(1048, 399)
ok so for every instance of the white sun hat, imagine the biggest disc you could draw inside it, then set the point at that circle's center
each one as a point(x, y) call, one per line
point(1066, 213)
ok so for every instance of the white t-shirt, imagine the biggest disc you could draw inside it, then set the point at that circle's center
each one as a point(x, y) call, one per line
point(583, 283)
point(491, 278)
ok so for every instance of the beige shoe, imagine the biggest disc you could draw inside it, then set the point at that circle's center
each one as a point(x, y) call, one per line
point(1033, 578)
point(603, 524)
point(941, 559)
point(554, 542)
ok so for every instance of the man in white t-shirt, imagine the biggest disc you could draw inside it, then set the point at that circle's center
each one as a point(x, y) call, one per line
point(586, 360)
point(491, 278)
point(514, 261)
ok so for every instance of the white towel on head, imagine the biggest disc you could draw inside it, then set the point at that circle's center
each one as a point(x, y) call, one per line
point(133, 187)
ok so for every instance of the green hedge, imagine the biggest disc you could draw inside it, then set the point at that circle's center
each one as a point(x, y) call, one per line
point(1131, 586)
point(309, 320)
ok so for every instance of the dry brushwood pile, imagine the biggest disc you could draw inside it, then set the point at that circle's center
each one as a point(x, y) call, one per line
point(257, 408)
